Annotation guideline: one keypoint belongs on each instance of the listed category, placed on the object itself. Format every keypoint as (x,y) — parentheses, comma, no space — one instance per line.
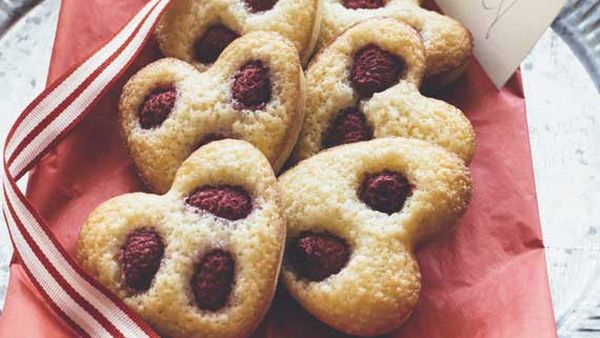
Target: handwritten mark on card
(501,8)
(503,30)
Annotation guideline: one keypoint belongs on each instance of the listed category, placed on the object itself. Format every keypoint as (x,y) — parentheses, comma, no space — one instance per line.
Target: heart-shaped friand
(201,260)
(448,44)
(354,216)
(197,31)
(254,92)
(365,85)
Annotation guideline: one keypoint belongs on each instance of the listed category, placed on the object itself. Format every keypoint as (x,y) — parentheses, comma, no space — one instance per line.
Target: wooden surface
(564,121)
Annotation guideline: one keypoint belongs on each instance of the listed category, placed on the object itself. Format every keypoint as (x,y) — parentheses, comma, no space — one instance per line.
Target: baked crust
(400,110)
(256,243)
(186,20)
(204,106)
(448,44)
(379,287)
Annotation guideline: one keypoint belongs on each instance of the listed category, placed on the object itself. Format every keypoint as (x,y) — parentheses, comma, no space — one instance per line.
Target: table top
(564,124)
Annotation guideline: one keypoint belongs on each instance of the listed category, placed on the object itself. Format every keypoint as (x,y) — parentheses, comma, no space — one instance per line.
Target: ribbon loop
(89,308)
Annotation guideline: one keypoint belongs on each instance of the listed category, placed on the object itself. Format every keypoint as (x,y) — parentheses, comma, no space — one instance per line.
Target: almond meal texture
(188,272)
(375,289)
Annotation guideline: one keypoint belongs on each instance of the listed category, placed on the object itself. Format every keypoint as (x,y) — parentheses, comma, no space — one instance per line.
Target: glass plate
(579,25)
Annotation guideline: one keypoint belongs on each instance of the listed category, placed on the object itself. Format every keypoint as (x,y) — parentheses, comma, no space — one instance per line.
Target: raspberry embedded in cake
(256,6)
(213,280)
(385,192)
(363,4)
(251,86)
(349,126)
(375,70)
(213,42)
(157,106)
(318,256)
(229,202)
(140,258)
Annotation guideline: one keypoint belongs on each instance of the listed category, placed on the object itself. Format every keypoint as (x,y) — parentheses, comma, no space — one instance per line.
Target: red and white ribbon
(87,306)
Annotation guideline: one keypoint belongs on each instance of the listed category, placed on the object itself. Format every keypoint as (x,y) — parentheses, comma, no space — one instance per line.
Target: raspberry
(229,202)
(349,126)
(213,42)
(260,5)
(375,70)
(140,258)
(251,86)
(211,138)
(318,256)
(366,4)
(157,106)
(213,280)
(385,192)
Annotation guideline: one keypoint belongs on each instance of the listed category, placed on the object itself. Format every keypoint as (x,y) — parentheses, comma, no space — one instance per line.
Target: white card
(503,30)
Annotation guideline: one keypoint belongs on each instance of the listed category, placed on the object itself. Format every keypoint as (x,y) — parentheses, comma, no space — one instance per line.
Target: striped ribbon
(88,307)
